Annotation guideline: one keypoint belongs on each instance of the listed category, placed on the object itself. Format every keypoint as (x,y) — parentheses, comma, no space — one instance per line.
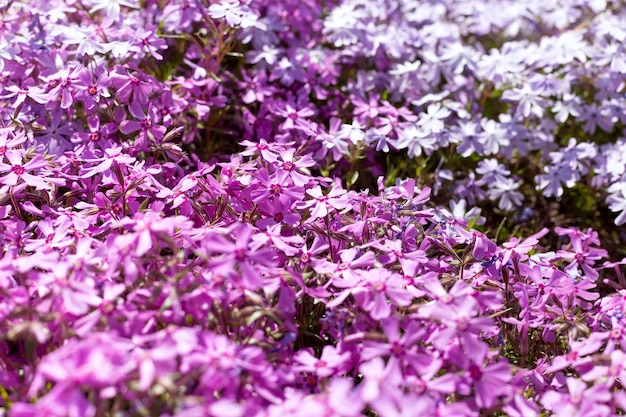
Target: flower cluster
(203,209)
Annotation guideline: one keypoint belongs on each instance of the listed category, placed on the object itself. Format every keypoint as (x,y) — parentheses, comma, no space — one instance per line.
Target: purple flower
(579,400)
(489,382)
(18,171)
(149,42)
(224,255)
(331,362)
(323,203)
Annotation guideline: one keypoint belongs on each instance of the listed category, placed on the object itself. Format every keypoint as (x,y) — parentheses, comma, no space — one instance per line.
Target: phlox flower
(352,259)
(112,7)
(267,151)
(489,382)
(331,362)
(64,399)
(146,125)
(149,41)
(29,173)
(617,201)
(98,361)
(460,322)
(353,132)
(323,203)
(554,176)
(63,88)
(231,11)
(579,353)
(382,142)
(579,400)
(91,91)
(26,90)
(289,245)
(379,380)
(528,101)
(112,155)
(418,141)
(595,116)
(581,254)
(517,249)
(148,228)
(292,114)
(224,255)
(9,139)
(507,194)
(402,347)
(492,171)
(467,135)
(131,86)
(379,284)
(296,167)
(84,38)
(432,120)
(277,187)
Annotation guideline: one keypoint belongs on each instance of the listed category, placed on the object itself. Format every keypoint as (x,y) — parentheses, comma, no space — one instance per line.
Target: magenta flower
(111,155)
(17,171)
(330,363)
(149,227)
(402,347)
(296,167)
(489,382)
(149,42)
(323,203)
(579,353)
(64,399)
(580,400)
(382,283)
(276,187)
(63,86)
(146,125)
(224,255)
(26,90)
(91,91)
(292,114)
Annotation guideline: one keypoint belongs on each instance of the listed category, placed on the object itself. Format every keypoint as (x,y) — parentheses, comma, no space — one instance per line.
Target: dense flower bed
(312,208)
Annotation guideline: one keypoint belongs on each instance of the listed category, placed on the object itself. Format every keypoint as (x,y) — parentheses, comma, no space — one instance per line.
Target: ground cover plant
(305,208)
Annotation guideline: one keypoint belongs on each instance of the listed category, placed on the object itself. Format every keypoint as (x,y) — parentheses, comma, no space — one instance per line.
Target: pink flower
(30,173)
(322,204)
(489,382)
(579,400)
(149,41)
(224,255)
(330,363)
(112,155)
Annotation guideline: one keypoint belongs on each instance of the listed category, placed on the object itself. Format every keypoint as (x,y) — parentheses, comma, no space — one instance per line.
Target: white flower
(112,7)
(617,201)
(506,192)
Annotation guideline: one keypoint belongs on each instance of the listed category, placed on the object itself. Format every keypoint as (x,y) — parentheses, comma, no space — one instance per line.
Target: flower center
(146,123)
(276,190)
(475,372)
